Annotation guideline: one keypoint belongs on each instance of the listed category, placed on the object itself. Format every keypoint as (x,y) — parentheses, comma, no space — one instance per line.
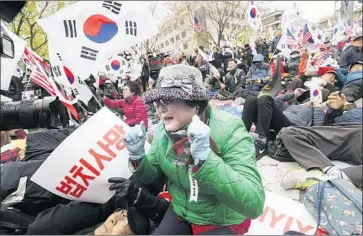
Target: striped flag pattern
(306,36)
(196,24)
(290,40)
(38,77)
(322,58)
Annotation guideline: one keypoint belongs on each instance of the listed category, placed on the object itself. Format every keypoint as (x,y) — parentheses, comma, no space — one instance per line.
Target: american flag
(306,36)
(38,77)
(197,26)
(290,40)
(322,58)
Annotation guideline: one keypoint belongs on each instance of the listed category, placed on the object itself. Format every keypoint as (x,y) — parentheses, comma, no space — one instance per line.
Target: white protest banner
(79,168)
(8,65)
(280,215)
(85,31)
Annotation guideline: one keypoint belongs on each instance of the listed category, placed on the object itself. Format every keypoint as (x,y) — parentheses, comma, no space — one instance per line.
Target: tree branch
(43,10)
(41,45)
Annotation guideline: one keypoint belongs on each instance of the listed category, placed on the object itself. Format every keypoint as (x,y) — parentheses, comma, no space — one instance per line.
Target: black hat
(139,224)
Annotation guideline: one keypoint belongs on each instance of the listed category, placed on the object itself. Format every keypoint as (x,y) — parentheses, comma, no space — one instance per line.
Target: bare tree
(220,16)
(149,45)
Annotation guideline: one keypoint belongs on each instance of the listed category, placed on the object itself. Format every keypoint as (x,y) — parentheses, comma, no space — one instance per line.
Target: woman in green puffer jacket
(206,154)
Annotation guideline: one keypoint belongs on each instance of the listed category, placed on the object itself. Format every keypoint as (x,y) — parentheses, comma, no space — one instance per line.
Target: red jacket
(134,110)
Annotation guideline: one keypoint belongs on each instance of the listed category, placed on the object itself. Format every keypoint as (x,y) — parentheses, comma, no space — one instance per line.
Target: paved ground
(272,172)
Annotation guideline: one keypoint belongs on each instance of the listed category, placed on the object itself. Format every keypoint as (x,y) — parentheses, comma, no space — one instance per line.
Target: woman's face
(174,114)
(116,224)
(126,92)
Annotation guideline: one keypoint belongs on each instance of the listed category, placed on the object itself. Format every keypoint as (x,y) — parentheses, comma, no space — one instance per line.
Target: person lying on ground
(315,148)
(272,114)
(134,108)
(192,141)
(127,212)
(339,112)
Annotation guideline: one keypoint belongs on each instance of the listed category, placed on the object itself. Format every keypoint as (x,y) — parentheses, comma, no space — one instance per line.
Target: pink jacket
(134,110)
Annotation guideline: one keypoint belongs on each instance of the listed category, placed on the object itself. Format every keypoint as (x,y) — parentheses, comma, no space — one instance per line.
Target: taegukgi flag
(87,30)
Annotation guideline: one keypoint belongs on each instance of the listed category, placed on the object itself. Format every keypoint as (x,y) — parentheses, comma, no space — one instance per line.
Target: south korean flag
(86,31)
(116,65)
(63,74)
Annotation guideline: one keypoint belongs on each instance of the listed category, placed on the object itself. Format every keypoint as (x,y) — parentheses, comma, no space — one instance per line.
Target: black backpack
(277,150)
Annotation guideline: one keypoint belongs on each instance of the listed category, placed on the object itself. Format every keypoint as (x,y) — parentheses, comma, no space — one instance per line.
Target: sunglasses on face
(162,102)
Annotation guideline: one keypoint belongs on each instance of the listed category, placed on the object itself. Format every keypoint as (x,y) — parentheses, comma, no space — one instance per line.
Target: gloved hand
(125,190)
(199,135)
(135,141)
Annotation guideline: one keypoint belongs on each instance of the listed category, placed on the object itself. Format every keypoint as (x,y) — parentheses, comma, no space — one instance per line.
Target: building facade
(178,33)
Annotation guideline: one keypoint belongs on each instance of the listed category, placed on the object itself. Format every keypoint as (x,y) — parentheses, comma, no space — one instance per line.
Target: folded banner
(282,214)
(81,165)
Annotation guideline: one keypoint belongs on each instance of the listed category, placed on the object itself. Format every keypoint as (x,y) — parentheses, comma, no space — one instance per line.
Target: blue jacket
(338,117)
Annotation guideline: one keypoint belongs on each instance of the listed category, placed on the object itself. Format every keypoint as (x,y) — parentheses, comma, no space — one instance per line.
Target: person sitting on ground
(235,81)
(258,75)
(203,66)
(192,141)
(133,107)
(353,53)
(247,55)
(292,65)
(353,87)
(109,90)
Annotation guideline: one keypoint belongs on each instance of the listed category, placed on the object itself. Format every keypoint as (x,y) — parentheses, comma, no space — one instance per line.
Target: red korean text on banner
(76,182)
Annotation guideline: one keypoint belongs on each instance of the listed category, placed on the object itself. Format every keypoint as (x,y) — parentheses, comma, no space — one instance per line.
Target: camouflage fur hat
(178,82)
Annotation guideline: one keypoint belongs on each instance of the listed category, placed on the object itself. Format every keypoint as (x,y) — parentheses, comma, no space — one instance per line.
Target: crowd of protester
(192,139)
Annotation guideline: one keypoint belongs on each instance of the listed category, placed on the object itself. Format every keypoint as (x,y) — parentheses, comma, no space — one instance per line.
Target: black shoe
(271,135)
(261,147)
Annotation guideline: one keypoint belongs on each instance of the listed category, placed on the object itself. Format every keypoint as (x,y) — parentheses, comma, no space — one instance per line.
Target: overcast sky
(311,10)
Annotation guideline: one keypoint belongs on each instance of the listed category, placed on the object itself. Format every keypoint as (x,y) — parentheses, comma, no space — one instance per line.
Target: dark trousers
(171,225)
(316,147)
(264,114)
(144,82)
(294,84)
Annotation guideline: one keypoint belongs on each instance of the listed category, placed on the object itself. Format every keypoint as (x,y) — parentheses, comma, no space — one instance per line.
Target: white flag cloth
(87,30)
(253,17)
(8,65)
(208,57)
(63,74)
(115,65)
(318,36)
(290,16)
